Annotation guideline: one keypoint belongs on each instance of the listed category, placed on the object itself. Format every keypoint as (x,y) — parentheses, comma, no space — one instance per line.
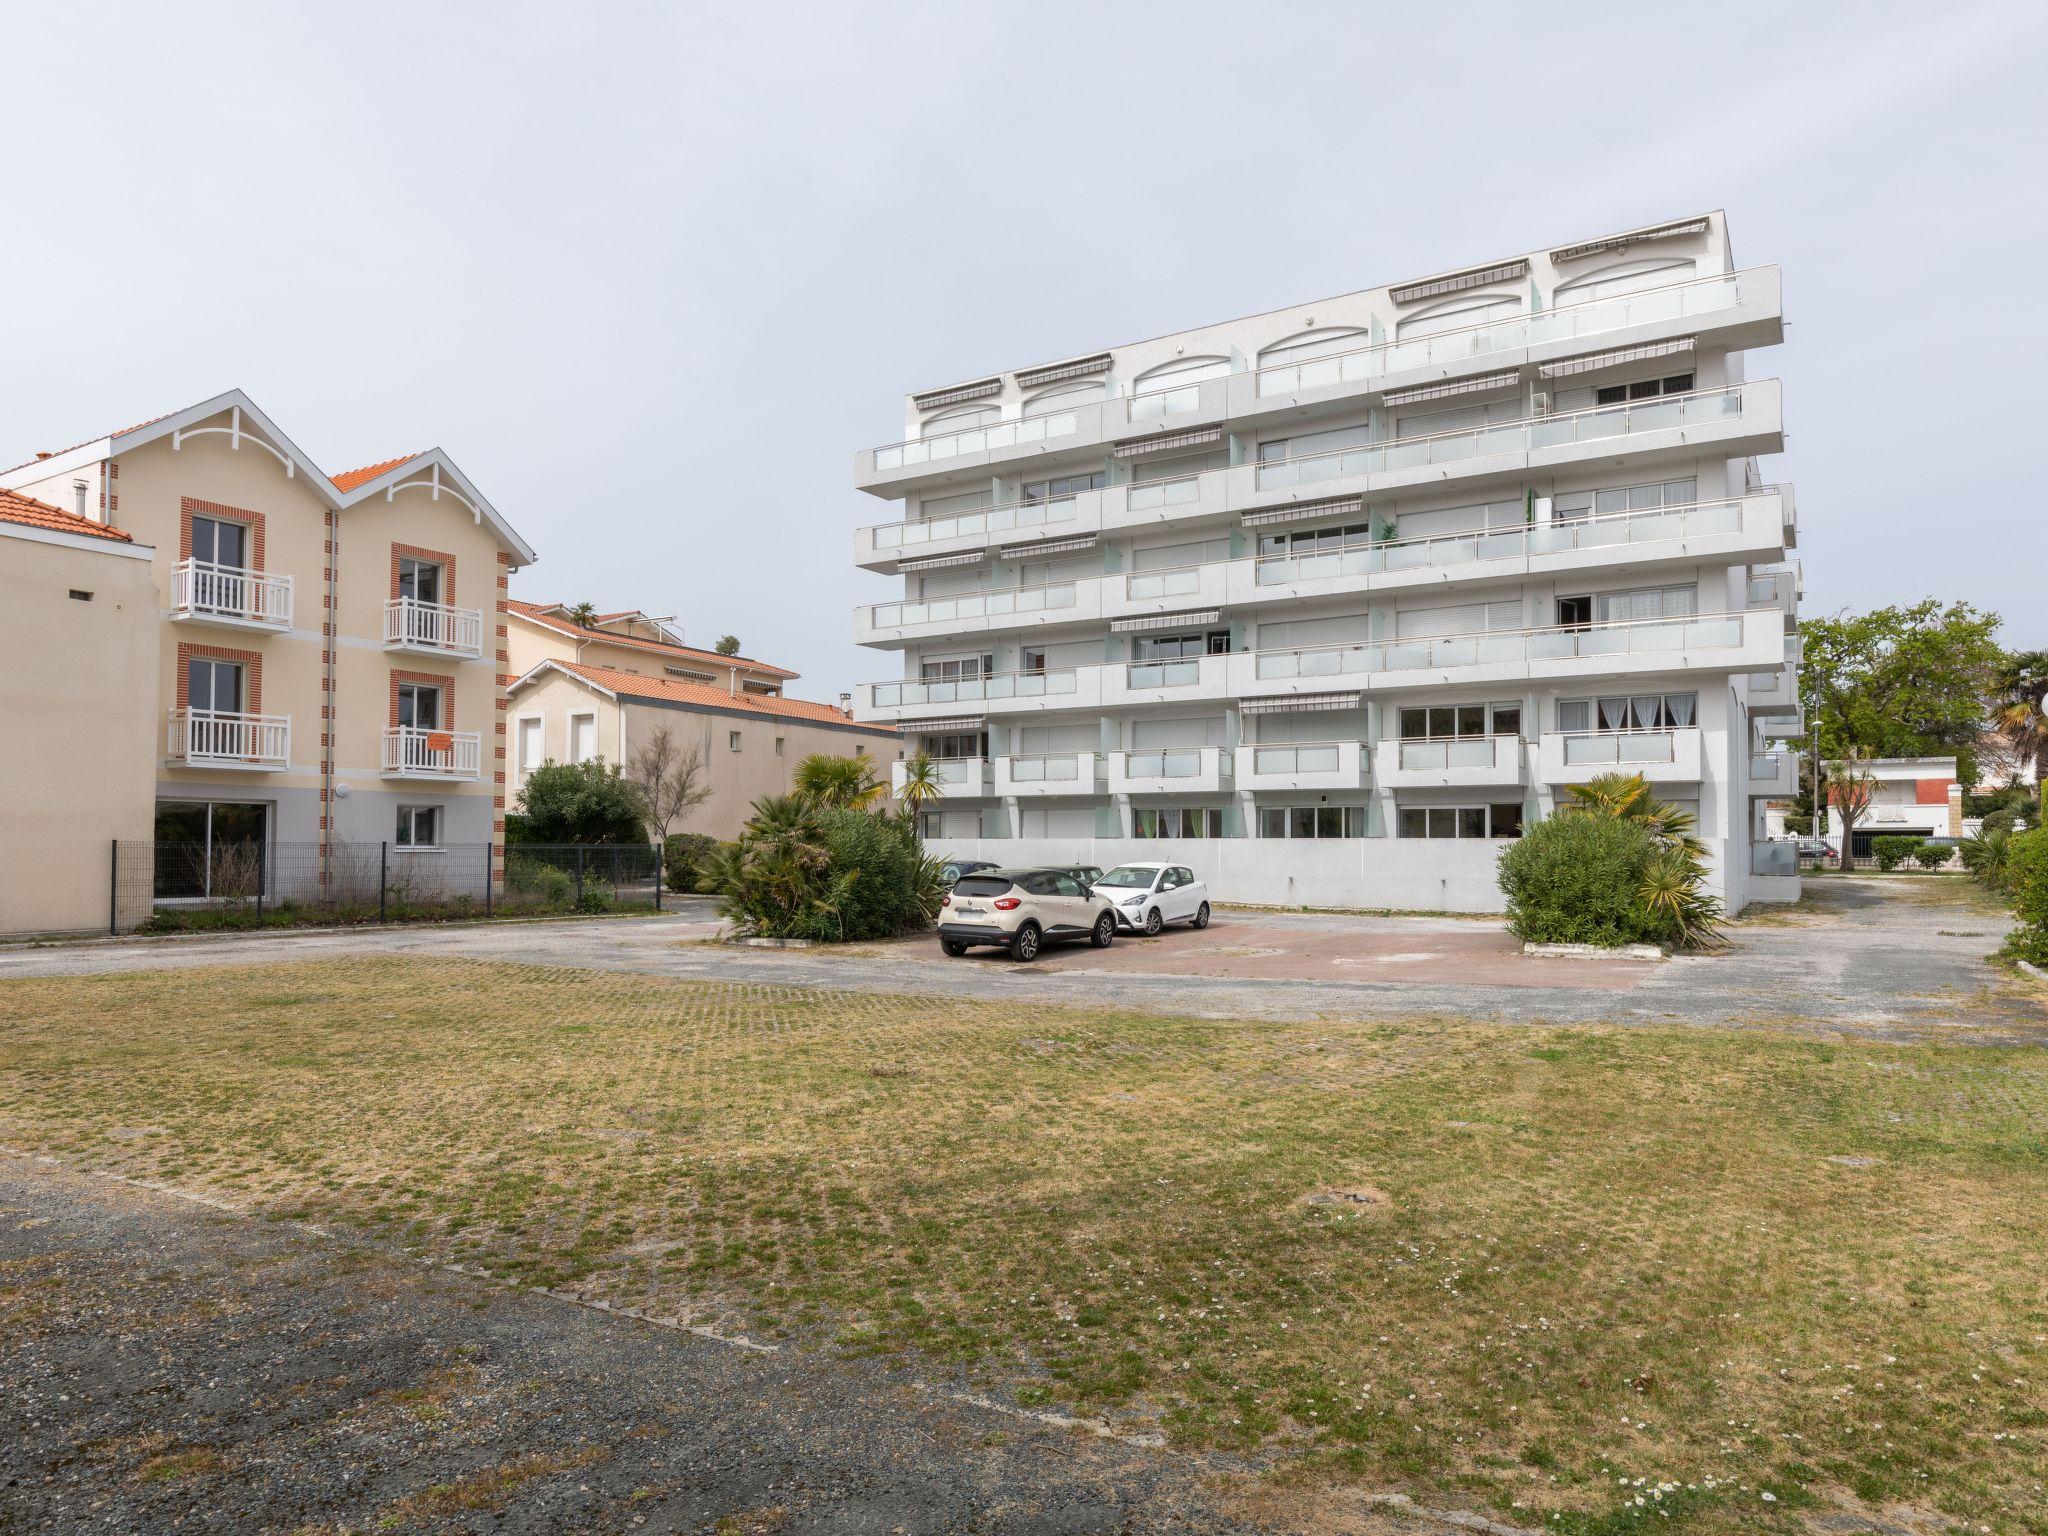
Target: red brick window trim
(439,557)
(189,506)
(441,680)
(252,673)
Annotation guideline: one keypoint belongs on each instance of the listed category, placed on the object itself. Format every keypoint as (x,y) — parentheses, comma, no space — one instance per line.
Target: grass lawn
(1604,1279)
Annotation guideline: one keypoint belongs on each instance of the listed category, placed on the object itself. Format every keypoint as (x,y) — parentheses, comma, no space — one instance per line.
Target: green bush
(1575,878)
(2027,873)
(579,803)
(1893,851)
(543,882)
(683,860)
(1932,855)
(595,898)
(801,870)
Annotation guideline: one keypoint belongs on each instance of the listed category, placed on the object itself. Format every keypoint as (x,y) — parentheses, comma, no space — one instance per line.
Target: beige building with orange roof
(329,652)
(600,690)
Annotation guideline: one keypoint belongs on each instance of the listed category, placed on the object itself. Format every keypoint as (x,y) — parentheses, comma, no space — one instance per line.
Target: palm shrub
(1893,851)
(1578,878)
(802,869)
(1986,857)
(1672,889)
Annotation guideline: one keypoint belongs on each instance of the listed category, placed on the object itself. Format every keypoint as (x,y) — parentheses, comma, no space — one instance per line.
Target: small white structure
(1914,797)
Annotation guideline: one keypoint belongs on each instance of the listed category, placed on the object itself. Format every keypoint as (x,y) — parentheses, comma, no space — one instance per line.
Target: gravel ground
(1891,958)
(168,1366)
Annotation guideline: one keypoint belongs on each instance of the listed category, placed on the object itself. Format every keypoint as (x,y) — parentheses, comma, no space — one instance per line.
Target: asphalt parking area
(1310,948)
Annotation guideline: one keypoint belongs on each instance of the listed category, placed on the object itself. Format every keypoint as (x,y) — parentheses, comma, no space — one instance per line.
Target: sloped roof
(554,617)
(674,690)
(17,508)
(349,479)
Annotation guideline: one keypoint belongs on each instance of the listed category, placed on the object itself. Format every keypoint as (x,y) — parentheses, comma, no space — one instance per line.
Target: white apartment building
(1328,602)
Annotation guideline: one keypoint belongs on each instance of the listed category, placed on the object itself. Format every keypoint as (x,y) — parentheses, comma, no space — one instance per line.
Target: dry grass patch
(1616,1275)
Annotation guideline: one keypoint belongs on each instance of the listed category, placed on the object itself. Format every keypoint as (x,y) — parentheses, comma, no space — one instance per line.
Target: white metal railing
(1643,526)
(1525,435)
(977,439)
(1175,581)
(1599,747)
(1563,643)
(1173,763)
(1175,672)
(1048,768)
(971,690)
(1298,757)
(1676,301)
(219,738)
(418,752)
(1006,518)
(986,604)
(433,626)
(202,588)
(1426,754)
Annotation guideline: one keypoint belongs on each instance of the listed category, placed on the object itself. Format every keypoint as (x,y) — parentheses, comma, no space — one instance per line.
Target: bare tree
(669,779)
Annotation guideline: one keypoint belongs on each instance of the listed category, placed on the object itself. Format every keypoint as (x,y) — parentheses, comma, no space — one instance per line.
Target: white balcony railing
(1180,581)
(978,439)
(229,594)
(1172,769)
(1009,518)
(1297,757)
(1640,637)
(1438,754)
(1774,858)
(974,690)
(414,752)
(991,604)
(955,775)
(1178,672)
(416,626)
(209,738)
(1050,773)
(1528,435)
(1167,763)
(1618,749)
(1678,301)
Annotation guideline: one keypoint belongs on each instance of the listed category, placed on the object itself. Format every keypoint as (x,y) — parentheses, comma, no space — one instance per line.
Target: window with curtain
(1628,712)
(1646,603)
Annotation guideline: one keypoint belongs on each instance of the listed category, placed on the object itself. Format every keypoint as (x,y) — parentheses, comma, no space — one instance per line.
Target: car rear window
(981,885)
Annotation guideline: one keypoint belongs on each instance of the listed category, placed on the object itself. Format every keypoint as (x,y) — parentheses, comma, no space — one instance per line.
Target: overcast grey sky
(653,273)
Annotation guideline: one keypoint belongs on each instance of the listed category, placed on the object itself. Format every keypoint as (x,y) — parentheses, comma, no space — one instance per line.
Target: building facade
(1910,797)
(1333,600)
(330,651)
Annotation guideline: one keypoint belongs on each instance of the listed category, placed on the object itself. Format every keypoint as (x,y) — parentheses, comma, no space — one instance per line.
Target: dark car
(953,869)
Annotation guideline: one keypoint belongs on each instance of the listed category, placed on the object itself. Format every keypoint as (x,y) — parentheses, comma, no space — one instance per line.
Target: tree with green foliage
(580,803)
(584,614)
(804,869)
(728,645)
(1899,682)
(1672,886)
(2019,714)
(848,782)
(921,783)
(1850,789)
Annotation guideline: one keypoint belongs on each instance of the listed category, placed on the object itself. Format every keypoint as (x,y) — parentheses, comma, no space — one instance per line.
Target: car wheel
(953,947)
(1105,931)
(1024,944)
(1202,915)
(1153,923)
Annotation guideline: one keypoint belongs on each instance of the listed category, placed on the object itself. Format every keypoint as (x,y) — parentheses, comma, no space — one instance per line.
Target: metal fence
(170,885)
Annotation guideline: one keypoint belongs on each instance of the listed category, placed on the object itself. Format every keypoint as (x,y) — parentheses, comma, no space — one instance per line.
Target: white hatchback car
(1146,897)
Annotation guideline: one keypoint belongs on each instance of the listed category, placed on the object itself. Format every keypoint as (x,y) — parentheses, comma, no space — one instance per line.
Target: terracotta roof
(673,690)
(349,479)
(543,613)
(16,508)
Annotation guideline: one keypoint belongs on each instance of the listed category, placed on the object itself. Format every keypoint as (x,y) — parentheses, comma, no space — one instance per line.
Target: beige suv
(1023,910)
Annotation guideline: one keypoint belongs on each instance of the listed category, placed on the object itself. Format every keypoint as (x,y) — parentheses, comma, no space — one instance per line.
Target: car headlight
(1134,901)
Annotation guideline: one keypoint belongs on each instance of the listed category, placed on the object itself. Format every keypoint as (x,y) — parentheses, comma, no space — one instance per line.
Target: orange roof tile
(673,690)
(16,508)
(349,479)
(542,613)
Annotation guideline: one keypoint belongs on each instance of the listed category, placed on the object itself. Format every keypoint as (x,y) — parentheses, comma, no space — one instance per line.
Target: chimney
(846,705)
(45,453)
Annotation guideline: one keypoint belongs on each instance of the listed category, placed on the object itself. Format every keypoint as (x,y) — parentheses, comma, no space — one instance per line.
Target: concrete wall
(78,752)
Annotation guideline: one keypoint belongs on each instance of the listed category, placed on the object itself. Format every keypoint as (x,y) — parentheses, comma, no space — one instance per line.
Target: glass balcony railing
(975,605)
(1181,672)
(1172,763)
(1779,858)
(1153,495)
(978,439)
(1639,637)
(1437,754)
(976,690)
(1527,435)
(1297,757)
(1601,748)
(1004,519)
(1180,581)
(1060,768)
(1165,402)
(1679,301)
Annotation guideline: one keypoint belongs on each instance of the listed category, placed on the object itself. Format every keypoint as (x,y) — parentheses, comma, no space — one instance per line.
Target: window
(958,744)
(1628,712)
(210,848)
(956,505)
(959,421)
(1629,277)
(1310,443)
(1424,722)
(213,686)
(1312,541)
(1624,498)
(419,826)
(419,706)
(1031,658)
(530,748)
(1458,418)
(778,745)
(732,741)
(582,738)
(955,668)
(1312,821)
(1215,642)
(215,541)
(1176,821)
(1574,612)
(1457,315)
(1440,821)
(1063,486)
(80,490)
(1642,389)
(1147,471)
(1645,603)
(419,580)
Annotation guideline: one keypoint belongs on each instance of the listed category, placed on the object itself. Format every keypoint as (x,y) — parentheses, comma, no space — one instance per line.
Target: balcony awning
(940,562)
(1048,547)
(1633,237)
(1566,367)
(953,394)
(950,723)
(1052,373)
(1479,386)
(1458,282)
(1299,703)
(1164,621)
(1297,511)
(1194,437)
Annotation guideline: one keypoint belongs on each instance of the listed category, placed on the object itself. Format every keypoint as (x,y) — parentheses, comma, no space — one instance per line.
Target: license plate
(971,911)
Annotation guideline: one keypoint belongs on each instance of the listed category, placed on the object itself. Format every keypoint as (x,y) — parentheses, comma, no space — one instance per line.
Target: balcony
(433,628)
(1183,588)
(1301,765)
(229,596)
(1172,771)
(411,752)
(1777,589)
(1718,641)
(1055,773)
(959,777)
(1661,757)
(968,613)
(995,693)
(987,437)
(1129,683)
(209,738)
(1451,762)
(885,544)
(1773,775)
(1775,693)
